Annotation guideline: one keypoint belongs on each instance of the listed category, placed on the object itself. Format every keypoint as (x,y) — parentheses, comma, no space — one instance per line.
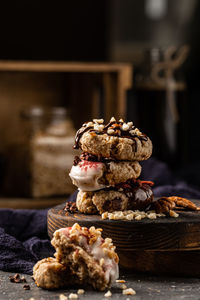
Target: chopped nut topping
(125,127)
(112,119)
(152,216)
(129,217)
(101,127)
(89,124)
(80,292)
(76,226)
(132,132)
(101,262)
(110,131)
(99,121)
(96,127)
(108,294)
(131,214)
(129,291)
(104,215)
(130,124)
(121,120)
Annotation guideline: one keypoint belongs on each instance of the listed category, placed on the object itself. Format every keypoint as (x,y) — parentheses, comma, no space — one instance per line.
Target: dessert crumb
(123,287)
(73,296)
(17,279)
(129,291)
(173,214)
(120,281)
(80,292)
(108,294)
(63,297)
(26,287)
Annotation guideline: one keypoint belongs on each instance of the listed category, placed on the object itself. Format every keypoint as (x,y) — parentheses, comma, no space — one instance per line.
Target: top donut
(116,140)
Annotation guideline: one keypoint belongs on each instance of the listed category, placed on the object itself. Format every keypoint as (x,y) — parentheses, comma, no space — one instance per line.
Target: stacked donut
(107,170)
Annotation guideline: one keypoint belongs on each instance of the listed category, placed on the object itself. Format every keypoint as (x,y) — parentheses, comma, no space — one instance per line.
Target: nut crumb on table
(108,294)
(26,287)
(129,291)
(123,286)
(80,291)
(17,279)
(120,281)
(63,297)
(73,296)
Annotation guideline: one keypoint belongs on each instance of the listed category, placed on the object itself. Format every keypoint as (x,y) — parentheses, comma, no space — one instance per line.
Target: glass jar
(44,153)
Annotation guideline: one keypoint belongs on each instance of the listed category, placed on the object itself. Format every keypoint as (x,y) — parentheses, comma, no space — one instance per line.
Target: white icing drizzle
(86,175)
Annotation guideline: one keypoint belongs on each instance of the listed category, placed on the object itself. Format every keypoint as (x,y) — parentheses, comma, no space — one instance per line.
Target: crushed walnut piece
(167,205)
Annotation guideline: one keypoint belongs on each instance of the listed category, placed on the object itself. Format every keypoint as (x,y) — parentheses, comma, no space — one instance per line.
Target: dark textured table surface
(146,287)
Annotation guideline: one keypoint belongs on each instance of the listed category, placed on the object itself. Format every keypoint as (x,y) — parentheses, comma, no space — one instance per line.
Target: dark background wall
(49,30)
(107,30)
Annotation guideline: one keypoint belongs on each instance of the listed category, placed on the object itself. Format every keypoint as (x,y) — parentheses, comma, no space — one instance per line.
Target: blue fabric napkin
(23,233)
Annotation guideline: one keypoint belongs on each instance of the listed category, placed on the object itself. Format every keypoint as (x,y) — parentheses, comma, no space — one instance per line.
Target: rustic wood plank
(62,66)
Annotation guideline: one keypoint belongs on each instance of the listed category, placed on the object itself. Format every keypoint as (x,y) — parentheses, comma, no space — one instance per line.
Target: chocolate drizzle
(139,193)
(115,126)
(79,134)
(95,158)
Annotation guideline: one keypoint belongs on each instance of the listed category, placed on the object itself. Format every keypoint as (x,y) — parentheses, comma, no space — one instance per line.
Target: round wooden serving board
(161,246)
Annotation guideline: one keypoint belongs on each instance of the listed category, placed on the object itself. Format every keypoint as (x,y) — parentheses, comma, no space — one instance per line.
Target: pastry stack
(107,171)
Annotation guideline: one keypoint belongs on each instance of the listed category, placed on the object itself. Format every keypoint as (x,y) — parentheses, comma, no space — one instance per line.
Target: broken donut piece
(82,257)
(91,258)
